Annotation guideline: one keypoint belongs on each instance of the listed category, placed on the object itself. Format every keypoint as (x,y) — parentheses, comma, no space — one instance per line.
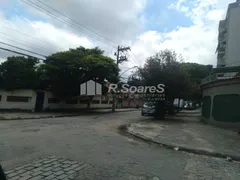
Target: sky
(190,27)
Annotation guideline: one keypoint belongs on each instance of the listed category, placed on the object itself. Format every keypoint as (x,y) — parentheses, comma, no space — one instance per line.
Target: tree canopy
(61,72)
(167,67)
(18,73)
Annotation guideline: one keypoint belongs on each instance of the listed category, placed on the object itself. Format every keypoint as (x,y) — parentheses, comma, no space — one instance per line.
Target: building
(221,97)
(31,100)
(35,101)
(228,51)
(221,90)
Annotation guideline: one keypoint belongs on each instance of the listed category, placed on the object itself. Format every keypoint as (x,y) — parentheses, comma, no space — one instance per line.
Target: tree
(18,72)
(196,73)
(63,72)
(164,67)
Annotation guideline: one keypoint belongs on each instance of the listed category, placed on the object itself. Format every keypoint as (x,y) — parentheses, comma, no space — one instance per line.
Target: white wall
(233,38)
(30,105)
(63,105)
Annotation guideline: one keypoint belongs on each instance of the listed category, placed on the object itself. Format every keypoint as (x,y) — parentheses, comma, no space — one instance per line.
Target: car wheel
(143,114)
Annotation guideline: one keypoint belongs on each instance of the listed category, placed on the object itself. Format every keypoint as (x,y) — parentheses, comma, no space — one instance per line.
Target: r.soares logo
(126,88)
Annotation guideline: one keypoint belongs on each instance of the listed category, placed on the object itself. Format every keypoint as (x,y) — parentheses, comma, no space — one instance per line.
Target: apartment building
(229,37)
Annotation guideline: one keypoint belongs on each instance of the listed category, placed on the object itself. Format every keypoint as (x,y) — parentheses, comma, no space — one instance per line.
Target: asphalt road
(95,140)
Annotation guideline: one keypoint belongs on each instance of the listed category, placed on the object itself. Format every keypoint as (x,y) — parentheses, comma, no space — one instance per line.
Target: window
(84,101)
(110,102)
(206,108)
(105,102)
(72,101)
(226,108)
(18,99)
(95,101)
(53,101)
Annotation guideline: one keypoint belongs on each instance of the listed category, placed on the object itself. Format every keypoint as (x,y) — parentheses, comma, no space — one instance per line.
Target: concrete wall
(30,105)
(233,37)
(224,87)
(130,103)
(79,105)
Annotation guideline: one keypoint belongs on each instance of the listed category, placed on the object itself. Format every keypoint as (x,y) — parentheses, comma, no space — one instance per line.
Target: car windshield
(149,104)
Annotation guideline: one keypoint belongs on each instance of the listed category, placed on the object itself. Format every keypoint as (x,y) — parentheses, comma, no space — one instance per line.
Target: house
(31,100)
(221,97)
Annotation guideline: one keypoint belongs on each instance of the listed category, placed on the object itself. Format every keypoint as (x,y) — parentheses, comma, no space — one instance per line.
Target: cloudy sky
(189,27)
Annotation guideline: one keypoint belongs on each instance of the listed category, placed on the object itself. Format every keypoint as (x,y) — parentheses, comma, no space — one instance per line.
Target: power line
(9,50)
(77,22)
(23,33)
(36,6)
(22,49)
(134,57)
(23,42)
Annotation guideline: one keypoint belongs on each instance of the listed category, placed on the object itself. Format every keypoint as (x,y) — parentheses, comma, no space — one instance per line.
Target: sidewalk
(185,132)
(32,115)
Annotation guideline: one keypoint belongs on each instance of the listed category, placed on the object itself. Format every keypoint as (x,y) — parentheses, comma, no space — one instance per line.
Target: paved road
(93,147)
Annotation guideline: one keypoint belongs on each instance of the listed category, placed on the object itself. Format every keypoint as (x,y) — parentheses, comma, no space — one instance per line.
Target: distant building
(229,37)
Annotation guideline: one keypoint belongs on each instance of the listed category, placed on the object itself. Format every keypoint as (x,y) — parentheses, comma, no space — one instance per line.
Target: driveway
(91,147)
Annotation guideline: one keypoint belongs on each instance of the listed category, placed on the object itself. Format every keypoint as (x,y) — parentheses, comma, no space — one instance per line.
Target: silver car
(149,108)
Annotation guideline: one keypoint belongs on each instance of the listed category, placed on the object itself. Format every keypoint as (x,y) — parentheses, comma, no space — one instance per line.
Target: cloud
(197,43)
(38,37)
(28,28)
(122,22)
(115,20)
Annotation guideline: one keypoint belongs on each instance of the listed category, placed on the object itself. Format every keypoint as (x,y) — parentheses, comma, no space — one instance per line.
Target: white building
(27,99)
(229,37)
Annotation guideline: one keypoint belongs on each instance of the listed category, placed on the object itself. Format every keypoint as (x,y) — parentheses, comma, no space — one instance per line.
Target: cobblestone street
(91,147)
(47,168)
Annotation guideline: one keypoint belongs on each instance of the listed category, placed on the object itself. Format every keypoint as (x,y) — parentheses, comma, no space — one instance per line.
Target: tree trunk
(89,102)
(160,111)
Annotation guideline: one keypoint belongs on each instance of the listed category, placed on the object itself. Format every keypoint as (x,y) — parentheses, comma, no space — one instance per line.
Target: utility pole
(120,59)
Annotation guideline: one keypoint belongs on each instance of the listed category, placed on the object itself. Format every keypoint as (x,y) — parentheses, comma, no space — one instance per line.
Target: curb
(59,116)
(182,148)
(42,117)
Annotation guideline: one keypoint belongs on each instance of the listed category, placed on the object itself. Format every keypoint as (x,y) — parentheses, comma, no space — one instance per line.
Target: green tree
(196,73)
(164,67)
(63,72)
(18,72)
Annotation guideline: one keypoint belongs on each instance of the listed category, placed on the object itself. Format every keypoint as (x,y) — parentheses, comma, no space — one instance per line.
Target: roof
(221,80)
(227,69)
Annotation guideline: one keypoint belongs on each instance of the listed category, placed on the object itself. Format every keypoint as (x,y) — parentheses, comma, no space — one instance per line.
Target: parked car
(149,108)
(190,106)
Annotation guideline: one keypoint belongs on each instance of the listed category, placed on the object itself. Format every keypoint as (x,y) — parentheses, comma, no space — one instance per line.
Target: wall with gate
(221,103)
(26,100)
